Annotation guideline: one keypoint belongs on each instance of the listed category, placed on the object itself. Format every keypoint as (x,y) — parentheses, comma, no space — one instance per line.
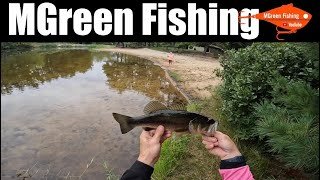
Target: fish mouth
(207,130)
(212,128)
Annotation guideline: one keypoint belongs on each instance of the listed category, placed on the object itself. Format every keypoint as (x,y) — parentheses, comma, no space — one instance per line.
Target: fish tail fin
(124,122)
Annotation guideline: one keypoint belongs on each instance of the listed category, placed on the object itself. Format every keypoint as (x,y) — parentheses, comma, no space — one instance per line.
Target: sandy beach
(195,71)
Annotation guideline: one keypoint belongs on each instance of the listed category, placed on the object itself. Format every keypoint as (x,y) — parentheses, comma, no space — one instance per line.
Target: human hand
(221,145)
(150,145)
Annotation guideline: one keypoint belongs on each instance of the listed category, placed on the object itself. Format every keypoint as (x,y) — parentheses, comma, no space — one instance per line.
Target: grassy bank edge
(175,151)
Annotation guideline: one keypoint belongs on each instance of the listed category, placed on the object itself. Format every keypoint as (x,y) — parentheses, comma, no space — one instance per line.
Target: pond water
(56,111)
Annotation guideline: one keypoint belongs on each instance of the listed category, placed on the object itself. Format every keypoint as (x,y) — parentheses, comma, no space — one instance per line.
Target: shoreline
(196,72)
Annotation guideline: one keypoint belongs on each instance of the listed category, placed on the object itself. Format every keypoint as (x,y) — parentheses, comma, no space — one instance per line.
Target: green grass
(173,151)
(174,76)
(110,175)
(198,164)
(185,157)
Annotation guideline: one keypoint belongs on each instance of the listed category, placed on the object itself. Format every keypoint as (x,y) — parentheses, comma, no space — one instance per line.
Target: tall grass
(110,175)
(172,152)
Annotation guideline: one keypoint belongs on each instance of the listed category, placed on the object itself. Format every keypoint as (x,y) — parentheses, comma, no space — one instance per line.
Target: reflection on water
(56,110)
(32,69)
(127,72)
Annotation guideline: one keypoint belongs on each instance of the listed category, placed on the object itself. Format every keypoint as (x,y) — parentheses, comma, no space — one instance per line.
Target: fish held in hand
(174,118)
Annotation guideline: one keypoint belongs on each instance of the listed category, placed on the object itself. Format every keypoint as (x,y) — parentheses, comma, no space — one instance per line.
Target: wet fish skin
(178,121)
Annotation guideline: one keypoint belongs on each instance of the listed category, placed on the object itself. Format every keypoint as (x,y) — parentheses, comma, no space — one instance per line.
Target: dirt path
(195,72)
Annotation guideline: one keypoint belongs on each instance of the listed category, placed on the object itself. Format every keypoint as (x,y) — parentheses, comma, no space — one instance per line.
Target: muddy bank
(195,72)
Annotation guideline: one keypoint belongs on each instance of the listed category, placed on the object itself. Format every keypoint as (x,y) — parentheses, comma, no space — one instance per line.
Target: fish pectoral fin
(154,106)
(178,107)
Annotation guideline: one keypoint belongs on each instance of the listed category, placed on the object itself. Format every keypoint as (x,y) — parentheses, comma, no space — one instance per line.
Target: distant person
(170,57)
(232,166)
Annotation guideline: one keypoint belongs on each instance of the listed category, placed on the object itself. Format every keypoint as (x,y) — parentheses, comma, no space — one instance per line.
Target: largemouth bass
(174,118)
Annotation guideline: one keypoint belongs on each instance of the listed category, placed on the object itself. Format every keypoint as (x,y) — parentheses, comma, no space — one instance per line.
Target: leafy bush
(247,74)
(290,124)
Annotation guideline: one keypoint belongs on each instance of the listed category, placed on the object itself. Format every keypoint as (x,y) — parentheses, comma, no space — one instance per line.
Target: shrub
(247,74)
(290,124)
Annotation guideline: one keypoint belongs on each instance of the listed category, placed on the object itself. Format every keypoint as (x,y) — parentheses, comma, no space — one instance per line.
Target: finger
(163,138)
(144,134)
(218,134)
(151,132)
(158,134)
(209,146)
(167,135)
(211,139)
(208,137)
(207,142)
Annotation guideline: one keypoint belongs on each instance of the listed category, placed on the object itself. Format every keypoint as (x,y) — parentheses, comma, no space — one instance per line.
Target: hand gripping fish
(174,118)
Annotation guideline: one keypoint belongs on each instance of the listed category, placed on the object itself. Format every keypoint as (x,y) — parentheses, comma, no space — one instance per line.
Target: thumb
(158,134)
(218,134)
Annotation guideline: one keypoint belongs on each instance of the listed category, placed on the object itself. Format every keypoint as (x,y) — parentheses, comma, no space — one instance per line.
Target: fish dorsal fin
(178,107)
(154,106)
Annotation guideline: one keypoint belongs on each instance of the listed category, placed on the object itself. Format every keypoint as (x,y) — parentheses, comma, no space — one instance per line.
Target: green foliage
(5,46)
(194,107)
(290,124)
(236,45)
(183,45)
(172,151)
(298,97)
(247,74)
